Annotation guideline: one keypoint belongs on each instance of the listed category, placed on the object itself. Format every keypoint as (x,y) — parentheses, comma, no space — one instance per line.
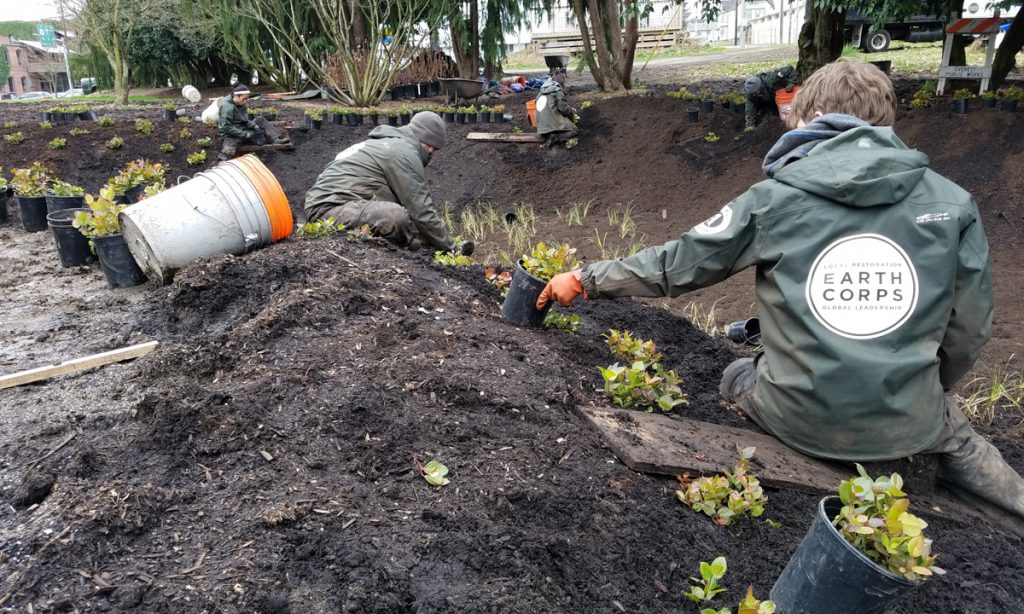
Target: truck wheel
(877,42)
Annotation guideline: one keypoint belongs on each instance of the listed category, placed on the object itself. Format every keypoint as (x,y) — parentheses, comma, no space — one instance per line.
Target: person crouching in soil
(236,128)
(873,285)
(760,90)
(391,159)
(554,115)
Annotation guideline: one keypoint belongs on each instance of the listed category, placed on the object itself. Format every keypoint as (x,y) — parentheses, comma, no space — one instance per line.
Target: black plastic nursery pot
(692,115)
(90,116)
(485,118)
(72,245)
(45,116)
(470,118)
(449,117)
(392,120)
(739,108)
(3,207)
(316,124)
(988,103)
(520,306)
(354,120)
(370,120)
(170,115)
(130,197)
(59,203)
(270,116)
(961,106)
(119,267)
(405,118)
(337,118)
(828,575)
(1009,105)
(707,105)
(460,118)
(33,213)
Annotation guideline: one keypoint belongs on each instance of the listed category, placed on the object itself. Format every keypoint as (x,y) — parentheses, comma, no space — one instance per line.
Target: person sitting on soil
(554,115)
(237,128)
(760,90)
(873,285)
(391,159)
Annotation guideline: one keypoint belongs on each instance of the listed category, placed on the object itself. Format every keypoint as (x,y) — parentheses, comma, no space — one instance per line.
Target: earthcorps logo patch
(542,103)
(351,150)
(716,223)
(862,287)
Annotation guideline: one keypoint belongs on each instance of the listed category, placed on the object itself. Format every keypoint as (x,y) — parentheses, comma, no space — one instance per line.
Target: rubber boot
(979,468)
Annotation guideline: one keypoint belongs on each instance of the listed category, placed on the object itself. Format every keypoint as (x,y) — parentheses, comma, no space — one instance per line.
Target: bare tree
(613,25)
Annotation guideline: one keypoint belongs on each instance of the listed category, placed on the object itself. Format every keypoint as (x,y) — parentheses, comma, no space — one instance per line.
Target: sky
(27,10)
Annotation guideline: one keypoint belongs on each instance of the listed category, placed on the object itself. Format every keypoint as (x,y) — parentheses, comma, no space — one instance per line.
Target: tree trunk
(958,52)
(358,25)
(821,40)
(588,51)
(1013,42)
(474,37)
(632,34)
(598,23)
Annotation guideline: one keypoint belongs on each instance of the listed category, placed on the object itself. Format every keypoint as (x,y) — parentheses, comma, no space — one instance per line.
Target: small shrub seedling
(963,94)
(683,94)
(204,141)
(545,262)
(58,143)
(502,279)
(183,120)
(724,498)
(105,121)
(3,181)
(15,138)
(185,134)
(78,132)
(315,114)
(169,107)
(197,158)
(152,190)
(166,148)
(875,520)
(706,587)
(144,125)
(62,188)
(10,125)
(753,605)
(517,130)
(452,259)
(46,124)
(500,108)
(138,173)
(625,347)
(31,181)
(319,228)
(586,105)
(115,143)
(565,322)
(988,95)
(573,142)
(711,137)
(433,472)
(101,219)
(643,386)
(705,93)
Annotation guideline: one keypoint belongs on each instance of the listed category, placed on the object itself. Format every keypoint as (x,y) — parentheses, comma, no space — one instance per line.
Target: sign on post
(986,25)
(46,37)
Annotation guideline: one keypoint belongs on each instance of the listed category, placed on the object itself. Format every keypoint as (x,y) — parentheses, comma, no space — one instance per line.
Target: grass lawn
(530,60)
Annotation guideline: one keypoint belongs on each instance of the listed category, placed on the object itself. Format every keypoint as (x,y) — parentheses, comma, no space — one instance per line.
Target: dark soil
(263,458)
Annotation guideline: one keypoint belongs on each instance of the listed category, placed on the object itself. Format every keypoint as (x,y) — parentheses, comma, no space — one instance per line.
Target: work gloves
(467,247)
(249,134)
(564,288)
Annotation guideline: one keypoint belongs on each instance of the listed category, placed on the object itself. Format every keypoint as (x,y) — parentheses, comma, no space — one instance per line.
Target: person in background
(873,286)
(760,90)
(236,128)
(392,160)
(554,115)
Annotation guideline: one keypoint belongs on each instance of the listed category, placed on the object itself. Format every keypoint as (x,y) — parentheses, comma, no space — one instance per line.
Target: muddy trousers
(559,137)
(269,134)
(966,459)
(387,220)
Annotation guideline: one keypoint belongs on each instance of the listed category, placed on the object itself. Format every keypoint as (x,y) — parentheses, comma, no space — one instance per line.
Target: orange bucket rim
(271,193)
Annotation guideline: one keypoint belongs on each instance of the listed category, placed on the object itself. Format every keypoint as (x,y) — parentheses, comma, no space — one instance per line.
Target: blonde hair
(846,86)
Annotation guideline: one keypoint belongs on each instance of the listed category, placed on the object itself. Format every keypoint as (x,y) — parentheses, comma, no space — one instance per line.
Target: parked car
(69,93)
(7,96)
(35,95)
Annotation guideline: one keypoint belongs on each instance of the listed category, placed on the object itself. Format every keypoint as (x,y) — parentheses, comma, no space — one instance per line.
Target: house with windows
(33,68)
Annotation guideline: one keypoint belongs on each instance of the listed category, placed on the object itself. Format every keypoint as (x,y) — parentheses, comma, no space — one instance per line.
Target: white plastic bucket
(233,208)
(191,94)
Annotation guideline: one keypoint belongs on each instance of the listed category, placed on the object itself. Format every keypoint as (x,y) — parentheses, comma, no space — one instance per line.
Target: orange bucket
(531,110)
(784,100)
(274,200)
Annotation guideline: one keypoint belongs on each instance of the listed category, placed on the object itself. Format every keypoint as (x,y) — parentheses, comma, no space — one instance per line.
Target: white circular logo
(862,287)
(542,103)
(716,223)
(351,150)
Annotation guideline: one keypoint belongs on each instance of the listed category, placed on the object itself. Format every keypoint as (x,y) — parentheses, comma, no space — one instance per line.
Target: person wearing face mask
(391,160)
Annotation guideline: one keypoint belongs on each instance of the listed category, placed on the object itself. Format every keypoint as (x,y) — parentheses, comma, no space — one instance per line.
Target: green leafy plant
(315,114)
(62,188)
(45,124)
(203,141)
(166,148)
(988,95)
(58,143)
(963,94)
(319,228)
(185,134)
(739,98)
(569,323)
(517,130)
(1013,92)
(78,132)
(705,93)
(753,605)
(31,181)
(115,143)
(138,173)
(105,121)
(452,259)
(183,120)
(875,520)
(170,107)
(3,181)
(711,137)
(197,158)
(724,99)
(644,386)
(501,279)
(433,472)
(500,108)
(144,125)
(683,94)
(624,346)
(152,190)
(15,138)
(724,498)
(706,587)
(544,262)
(10,125)
(101,219)
(586,105)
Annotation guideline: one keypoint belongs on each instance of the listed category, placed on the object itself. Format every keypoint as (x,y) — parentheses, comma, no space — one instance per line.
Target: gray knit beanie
(429,128)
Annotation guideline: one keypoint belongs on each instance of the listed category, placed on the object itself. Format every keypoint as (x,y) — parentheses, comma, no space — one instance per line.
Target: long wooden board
(654,443)
(78,364)
(505,137)
(269,146)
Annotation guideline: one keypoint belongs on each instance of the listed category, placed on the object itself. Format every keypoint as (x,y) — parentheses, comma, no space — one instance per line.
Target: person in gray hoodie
(554,115)
(873,286)
(390,162)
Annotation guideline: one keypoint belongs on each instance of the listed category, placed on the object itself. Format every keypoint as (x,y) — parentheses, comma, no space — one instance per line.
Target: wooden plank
(655,443)
(506,137)
(78,364)
(269,146)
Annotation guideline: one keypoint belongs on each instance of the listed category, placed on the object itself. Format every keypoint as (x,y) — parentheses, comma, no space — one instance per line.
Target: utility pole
(782,29)
(64,26)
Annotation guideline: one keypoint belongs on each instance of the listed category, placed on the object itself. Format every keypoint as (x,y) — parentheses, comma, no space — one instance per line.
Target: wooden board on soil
(505,137)
(269,146)
(654,443)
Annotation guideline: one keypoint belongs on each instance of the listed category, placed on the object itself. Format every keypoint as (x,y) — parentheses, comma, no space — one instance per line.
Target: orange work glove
(563,288)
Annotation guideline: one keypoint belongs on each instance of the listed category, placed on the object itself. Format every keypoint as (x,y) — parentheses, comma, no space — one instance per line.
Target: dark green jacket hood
(406,133)
(863,167)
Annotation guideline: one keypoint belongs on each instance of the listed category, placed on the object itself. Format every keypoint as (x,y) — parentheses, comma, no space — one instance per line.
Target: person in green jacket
(760,90)
(873,286)
(236,128)
(392,160)
(554,115)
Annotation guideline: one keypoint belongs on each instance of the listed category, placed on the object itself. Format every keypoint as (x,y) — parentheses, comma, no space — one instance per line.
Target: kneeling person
(391,159)
(237,129)
(554,115)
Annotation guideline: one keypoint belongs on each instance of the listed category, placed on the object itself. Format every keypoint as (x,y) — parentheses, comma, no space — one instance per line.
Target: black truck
(913,29)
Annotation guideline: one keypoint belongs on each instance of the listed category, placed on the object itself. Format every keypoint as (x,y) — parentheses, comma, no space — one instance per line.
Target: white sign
(862,287)
(965,72)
